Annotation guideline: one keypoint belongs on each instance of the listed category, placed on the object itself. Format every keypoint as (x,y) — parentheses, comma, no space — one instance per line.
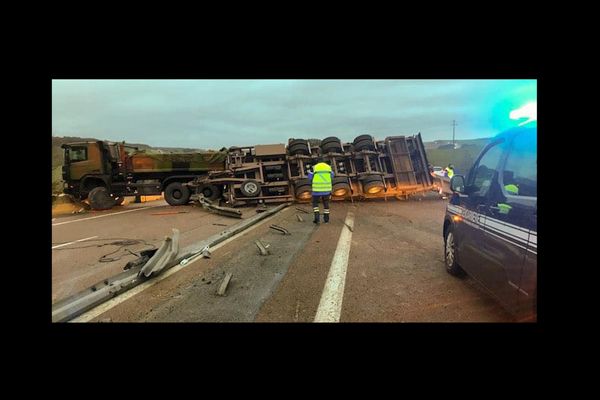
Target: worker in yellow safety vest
(321,178)
(510,189)
(449,170)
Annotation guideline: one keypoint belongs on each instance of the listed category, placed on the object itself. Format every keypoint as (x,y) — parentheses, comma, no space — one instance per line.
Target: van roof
(527,130)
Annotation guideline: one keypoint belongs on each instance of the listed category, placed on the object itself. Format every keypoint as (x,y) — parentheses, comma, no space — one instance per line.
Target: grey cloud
(215,113)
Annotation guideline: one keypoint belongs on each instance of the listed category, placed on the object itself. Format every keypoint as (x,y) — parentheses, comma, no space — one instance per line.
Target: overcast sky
(217,113)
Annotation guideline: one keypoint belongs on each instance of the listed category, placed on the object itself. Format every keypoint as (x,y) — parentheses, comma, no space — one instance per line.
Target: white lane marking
(330,306)
(102,308)
(106,215)
(80,240)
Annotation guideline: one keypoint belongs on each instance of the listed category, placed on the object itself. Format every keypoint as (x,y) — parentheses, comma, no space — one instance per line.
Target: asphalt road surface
(376,261)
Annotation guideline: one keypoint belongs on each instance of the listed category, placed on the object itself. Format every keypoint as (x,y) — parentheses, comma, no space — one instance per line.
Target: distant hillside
(440,153)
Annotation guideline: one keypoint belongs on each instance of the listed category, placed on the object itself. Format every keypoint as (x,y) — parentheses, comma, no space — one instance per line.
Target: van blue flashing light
(528,111)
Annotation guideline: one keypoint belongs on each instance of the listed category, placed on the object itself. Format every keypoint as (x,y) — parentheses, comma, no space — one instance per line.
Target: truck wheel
(452,266)
(302,189)
(298,146)
(372,184)
(100,199)
(177,194)
(250,188)
(340,186)
(331,144)
(211,192)
(366,144)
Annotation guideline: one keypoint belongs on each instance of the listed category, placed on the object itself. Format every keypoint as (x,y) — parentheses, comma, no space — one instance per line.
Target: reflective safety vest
(512,189)
(450,172)
(321,181)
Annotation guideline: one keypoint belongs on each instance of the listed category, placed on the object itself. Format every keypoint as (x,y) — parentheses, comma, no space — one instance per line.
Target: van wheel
(177,194)
(452,266)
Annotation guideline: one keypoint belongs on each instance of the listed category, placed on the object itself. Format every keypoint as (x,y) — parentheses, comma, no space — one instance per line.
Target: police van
(490,225)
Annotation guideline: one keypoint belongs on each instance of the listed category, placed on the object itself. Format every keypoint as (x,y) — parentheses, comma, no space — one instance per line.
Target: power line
(453,126)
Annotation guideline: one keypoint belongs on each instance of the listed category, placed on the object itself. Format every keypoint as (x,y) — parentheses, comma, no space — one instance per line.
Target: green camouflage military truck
(104,172)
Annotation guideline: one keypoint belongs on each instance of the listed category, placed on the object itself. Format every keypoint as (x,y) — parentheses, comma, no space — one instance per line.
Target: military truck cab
(88,165)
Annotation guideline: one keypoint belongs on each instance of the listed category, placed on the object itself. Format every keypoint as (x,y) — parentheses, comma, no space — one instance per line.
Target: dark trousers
(315,204)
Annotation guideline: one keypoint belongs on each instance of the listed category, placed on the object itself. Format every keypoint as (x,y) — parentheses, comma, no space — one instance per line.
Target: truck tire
(332,148)
(450,260)
(298,146)
(211,192)
(331,145)
(250,188)
(276,190)
(361,138)
(177,194)
(372,184)
(100,199)
(303,189)
(366,144)
(340,186)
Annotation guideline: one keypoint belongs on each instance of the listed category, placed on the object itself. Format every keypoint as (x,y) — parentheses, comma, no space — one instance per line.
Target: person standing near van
(450,171)
(321,178)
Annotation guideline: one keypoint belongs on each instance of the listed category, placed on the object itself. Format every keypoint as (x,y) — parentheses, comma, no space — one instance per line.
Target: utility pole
(453,126)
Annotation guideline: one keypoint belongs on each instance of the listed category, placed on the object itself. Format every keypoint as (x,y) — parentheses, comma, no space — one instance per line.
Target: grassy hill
(440,154)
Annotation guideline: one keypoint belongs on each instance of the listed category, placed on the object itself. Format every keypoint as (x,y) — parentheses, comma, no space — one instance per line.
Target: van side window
(485,170)
(77,154)
(520,171)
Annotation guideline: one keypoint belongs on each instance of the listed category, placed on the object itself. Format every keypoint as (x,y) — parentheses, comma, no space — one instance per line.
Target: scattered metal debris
(262,248)
(79,211)
(165,254)
(207,205)
(280,229)
(170,213)
(221,224)
(77,304)
(302,209)
(204,253)
(140,261)
(349,227)
(299,218)
(223,287)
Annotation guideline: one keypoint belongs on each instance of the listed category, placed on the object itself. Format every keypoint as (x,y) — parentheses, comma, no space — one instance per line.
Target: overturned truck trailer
(366,168)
